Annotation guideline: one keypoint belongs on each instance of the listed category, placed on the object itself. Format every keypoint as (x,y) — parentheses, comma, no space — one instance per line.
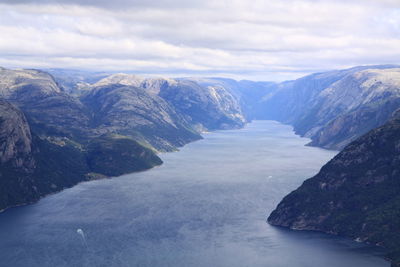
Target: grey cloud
(114,4)
(264,40)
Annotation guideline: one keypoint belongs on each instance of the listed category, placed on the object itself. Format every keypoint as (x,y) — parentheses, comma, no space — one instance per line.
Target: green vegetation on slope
(356,194)
(116,155)
(63,164)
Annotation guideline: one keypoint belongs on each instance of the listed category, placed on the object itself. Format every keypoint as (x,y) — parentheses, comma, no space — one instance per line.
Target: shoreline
(112,177)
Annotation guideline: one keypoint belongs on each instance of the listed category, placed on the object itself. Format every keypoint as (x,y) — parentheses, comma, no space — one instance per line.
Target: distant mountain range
(334,108)
(60,127)
(331,108)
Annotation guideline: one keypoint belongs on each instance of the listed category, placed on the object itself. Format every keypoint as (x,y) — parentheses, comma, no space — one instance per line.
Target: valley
(63,127)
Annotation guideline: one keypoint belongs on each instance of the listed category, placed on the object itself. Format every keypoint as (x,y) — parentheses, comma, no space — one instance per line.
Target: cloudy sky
(260,40)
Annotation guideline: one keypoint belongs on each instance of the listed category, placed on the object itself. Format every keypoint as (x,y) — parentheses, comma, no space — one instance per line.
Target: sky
(241,39)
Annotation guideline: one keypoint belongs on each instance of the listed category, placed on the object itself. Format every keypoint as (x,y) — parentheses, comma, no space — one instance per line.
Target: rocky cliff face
(16,156)
(15,138)
(356,194)
(336,107)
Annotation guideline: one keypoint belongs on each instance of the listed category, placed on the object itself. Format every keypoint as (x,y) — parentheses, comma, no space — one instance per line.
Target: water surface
(205,206)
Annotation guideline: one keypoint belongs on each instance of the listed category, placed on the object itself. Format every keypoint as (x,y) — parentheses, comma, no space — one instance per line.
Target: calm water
(206,206)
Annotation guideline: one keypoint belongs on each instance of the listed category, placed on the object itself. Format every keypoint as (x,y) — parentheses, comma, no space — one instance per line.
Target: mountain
(31,167)
(356,194)
(48,140)
(334,108)
(49,110)
(132,111)
(204,107)
(247,93)
(208,107)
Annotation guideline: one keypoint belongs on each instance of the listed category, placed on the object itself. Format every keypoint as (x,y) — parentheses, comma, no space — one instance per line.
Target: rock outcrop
(15,138)
(17,163)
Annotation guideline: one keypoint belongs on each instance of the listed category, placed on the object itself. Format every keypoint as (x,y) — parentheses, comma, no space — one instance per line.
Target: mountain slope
(49,110)
(356,194)
(336,107)
(248,94)
(208,107)
(132,111)
(205,107)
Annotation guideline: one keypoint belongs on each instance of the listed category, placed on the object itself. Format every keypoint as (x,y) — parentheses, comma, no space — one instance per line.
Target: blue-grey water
(205,206)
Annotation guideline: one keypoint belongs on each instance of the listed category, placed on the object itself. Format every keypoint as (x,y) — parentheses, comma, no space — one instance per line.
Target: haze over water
(205,206)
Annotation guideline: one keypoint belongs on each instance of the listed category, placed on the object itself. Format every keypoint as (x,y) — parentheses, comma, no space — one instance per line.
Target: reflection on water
(205,206)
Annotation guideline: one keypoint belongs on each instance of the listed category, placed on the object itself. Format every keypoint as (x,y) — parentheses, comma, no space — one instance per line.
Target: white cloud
(264,40)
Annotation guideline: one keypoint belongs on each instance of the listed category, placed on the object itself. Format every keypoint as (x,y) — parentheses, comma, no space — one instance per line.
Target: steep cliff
(15,138)
(16,160)
(356,194)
